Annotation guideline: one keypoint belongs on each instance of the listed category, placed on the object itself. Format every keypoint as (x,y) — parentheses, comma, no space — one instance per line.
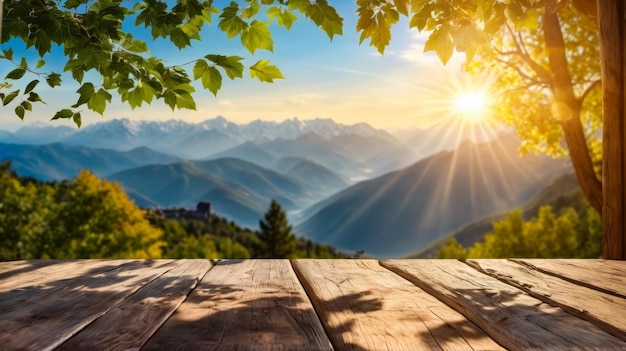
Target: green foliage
(95,37)
(277,240)
(93,218)
(574,233)
(83,218)
(219,238)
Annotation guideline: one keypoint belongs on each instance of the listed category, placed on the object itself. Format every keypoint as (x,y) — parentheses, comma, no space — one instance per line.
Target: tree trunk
(613,56)
(570,106)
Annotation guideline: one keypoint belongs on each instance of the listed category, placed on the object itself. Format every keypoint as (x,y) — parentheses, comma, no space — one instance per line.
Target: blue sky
(342,80)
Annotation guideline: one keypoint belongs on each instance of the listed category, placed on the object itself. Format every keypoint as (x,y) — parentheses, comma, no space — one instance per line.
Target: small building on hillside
(202,212)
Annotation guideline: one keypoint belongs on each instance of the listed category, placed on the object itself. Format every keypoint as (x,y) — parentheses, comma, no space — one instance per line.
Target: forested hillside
(88,217)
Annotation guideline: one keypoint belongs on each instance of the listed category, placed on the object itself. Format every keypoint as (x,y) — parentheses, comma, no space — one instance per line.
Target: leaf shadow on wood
(28,266)
(516,324)
(348,306)
(37,315)
(265,317)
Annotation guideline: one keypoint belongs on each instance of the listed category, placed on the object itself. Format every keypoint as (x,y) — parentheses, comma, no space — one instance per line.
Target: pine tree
(277,240)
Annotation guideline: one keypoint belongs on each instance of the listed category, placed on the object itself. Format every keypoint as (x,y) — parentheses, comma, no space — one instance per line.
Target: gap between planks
(513,318)
(364,306)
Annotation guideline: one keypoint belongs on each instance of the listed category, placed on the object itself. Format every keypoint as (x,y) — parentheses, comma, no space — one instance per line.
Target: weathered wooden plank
(8,266)
(19,274)
(366,307)
(244,305)
(30,285)
(128,325)
(601,275)
(510,316)
(47,320)
(595,306)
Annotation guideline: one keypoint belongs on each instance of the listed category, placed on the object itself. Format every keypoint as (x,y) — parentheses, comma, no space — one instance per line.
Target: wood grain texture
(128,325)
(33,282)
(510,316)
(244,305)
(602,275)
(613,61)
(592,305)
(12,267)
(45,321)
(366,307)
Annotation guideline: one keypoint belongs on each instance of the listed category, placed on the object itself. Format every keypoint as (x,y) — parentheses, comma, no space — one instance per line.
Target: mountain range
(237,189)
(356,151)
(354,187)
(392,215)
(60,161)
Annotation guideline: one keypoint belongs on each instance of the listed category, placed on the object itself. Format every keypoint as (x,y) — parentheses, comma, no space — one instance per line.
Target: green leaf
(135,97)
(251,10)
(230,22)
(16,73)
(53,79)
(133,45)
(86,91)
(185,100)
(257,36)
(19,111)
(43,42)
(170,99)
(31,86)
(98,101)
(265,72)
(8,54)
(179,38)
(12,95)
(27,105)
(34,97)
(199,68)
(72,4)
(230,64)
(283,17)
(212,80)
(64,113)
(40,63)
(440,42)
(23,63)
(77,119)
(325,17)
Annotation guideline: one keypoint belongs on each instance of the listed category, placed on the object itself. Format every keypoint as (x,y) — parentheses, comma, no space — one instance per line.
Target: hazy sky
(342,80)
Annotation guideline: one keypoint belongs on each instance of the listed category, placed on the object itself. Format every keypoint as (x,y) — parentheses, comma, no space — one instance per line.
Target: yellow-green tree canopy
(571,233)
(83,218)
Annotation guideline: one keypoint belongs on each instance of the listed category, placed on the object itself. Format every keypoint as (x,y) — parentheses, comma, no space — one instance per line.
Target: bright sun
(471,105)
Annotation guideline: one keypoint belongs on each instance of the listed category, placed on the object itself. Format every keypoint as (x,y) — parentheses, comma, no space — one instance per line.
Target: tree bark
(588,8)
(613,57)
(568,104)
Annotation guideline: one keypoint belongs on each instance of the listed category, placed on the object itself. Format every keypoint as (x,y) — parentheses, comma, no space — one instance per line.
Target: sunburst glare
(471,105)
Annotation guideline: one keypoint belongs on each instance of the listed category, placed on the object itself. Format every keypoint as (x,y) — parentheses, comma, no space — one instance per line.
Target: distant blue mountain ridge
(354,187)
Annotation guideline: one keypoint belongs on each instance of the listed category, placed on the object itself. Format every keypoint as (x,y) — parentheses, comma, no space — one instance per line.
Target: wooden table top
(312,305)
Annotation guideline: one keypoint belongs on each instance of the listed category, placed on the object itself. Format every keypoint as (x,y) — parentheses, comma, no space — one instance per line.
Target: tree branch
(589,89)
(541,72)
(588,8)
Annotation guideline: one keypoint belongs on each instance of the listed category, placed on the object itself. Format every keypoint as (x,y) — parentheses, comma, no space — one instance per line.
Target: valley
(351,186)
